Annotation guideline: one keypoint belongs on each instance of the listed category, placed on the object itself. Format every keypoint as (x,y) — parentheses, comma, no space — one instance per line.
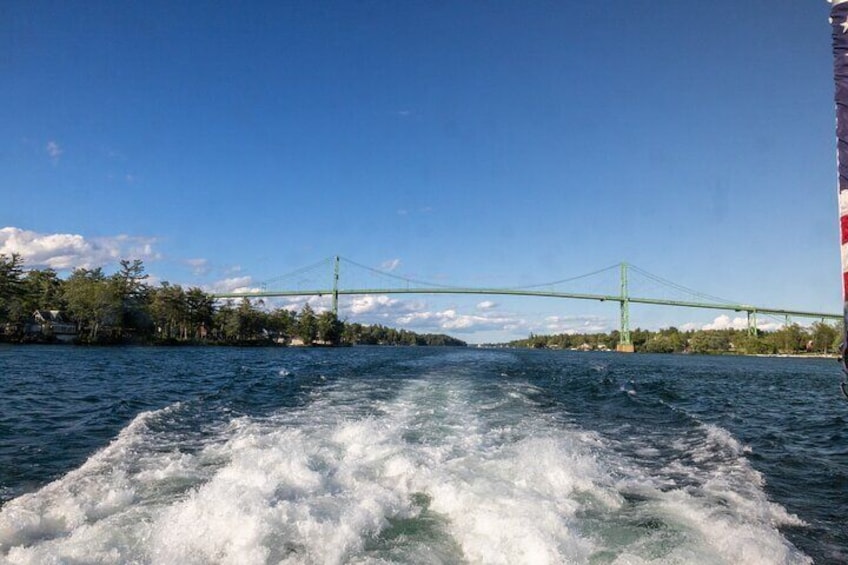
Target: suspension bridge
(623,296)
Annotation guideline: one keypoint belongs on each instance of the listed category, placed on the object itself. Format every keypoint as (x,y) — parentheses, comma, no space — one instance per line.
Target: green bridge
(623,298)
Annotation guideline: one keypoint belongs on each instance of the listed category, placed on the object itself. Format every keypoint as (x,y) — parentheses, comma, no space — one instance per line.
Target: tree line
(123,307)
(790,339)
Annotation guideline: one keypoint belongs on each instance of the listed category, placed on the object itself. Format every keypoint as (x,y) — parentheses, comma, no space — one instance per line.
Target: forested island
(91,307)
(821,338)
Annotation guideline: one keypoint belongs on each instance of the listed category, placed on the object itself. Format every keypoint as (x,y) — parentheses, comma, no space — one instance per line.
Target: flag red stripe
(843,221)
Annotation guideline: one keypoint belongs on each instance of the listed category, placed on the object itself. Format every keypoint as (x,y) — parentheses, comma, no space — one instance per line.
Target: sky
(485,144)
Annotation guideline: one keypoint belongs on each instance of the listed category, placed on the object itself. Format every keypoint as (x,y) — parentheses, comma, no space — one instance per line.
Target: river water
(418,455)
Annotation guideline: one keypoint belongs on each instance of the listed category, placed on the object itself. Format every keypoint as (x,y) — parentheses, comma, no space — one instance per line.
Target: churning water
(415,455)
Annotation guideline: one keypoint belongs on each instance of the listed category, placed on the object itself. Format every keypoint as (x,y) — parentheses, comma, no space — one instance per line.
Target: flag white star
(845,26)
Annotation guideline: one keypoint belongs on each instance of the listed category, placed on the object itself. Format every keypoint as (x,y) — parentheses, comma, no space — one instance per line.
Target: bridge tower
(625,344)
(336,288)
(752,323)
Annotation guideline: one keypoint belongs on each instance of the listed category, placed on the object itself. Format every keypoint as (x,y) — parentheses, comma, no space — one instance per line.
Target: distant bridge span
(624,300)
(539,293)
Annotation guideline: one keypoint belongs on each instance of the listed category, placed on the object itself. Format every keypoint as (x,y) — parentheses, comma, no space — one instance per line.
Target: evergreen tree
(330,329)
(12,291)
(94,302)
(307,325)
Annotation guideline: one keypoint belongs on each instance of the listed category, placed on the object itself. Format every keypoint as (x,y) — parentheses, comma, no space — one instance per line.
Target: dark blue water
(218,455)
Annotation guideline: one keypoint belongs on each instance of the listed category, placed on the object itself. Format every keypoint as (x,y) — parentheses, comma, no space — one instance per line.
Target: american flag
(839,26)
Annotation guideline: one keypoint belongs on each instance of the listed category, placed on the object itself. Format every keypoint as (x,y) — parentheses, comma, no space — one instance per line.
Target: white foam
(712,500)
(92,492)
(441,468)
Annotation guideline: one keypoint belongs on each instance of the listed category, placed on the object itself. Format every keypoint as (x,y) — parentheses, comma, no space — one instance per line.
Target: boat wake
(448,469)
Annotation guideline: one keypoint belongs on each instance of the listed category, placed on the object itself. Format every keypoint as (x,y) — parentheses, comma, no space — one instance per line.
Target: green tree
(705,341)
(612,339)
(538,341)
(169,310)
(836,345)
(248,321)
(639,337)
(12,291)
(659,344)
(131,286)
(200,311)
(330,329)
(93,301)
(225,322)
(352,333)
(823,337)
(307,325)
(675,337)
(283,323)
(43,290)
(790,339)
(754,344)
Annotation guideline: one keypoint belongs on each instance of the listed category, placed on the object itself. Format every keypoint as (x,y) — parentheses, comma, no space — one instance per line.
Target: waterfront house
(51,323)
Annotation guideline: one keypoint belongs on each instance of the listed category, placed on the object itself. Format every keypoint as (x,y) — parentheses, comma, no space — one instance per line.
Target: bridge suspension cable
(563,281)
(437,285)
(680,287)
(300,271)
(393,276)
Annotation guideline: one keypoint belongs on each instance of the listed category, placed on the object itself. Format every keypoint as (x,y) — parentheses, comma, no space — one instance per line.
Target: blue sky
(468,143)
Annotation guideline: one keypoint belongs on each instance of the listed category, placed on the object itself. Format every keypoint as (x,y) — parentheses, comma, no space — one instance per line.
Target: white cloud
(54,150)
(198,266)
(62,251)
(486,305)
(390,265)
(234,284)
(377,308)
(318,304)
(423,210)
(576,324)
(724,322)
(370,304)
(451,320)
(417,315)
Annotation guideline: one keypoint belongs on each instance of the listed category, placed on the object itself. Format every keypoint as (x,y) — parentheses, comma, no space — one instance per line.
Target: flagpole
(839,27)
